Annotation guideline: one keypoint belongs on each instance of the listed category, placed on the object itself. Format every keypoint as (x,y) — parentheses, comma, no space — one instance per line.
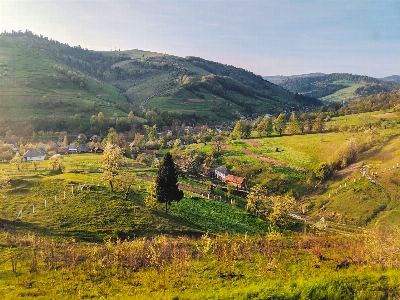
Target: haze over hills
(279,78)
(45,79)
(338,86)
(395,78)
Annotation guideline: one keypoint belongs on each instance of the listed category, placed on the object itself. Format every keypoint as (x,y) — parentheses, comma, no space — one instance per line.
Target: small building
(221,172)
(83,149)
(72,149)
(62,150)
(238,182)
(35,154)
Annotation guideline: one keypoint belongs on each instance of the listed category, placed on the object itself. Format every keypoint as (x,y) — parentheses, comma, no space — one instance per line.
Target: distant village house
(34,154)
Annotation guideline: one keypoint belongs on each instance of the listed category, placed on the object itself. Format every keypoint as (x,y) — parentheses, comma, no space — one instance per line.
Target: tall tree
(282,206)
(17,160)
(151,132)
(112,136)
(167,182)
(295,126)
(56,163)
(242,129)
(257,201)
(265,127)
(131,117)
(280,124)
(4,184)
(65,141)
(111,164)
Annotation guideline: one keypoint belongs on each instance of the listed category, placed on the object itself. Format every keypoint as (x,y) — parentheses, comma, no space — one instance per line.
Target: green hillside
(338,86)
(42,77)
(40,90)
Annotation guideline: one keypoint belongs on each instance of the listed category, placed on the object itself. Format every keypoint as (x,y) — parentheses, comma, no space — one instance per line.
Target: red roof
(62,150)
(236,180)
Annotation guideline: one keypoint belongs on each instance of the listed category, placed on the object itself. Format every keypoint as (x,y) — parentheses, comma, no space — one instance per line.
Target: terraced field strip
(270,160)
(187,188)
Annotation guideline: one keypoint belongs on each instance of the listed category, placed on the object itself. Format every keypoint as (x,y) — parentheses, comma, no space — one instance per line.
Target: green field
(346,94)
(32,88)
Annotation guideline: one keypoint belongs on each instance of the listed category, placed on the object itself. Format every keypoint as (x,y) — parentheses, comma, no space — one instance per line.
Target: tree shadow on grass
(183,228)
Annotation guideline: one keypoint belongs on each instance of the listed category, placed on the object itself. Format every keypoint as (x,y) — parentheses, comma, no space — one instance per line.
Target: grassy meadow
(345,94)
(31,86)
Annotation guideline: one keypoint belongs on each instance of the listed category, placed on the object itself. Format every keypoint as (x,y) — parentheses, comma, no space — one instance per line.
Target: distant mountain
(279,78)
(54,80)
(395,78)
(338,86)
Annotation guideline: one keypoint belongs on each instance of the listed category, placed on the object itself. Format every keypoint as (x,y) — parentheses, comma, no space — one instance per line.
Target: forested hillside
(326,85)
(136,81)
(395,78)
(374,102)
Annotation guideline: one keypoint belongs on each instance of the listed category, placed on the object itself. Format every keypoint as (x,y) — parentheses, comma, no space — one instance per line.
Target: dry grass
(385,116)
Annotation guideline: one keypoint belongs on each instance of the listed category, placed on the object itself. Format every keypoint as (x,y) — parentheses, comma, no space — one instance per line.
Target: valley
(278,194)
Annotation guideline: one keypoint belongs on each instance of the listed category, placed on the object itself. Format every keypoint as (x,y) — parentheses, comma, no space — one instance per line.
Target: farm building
(62,150)
(34,154)
(238,182)
(221,172)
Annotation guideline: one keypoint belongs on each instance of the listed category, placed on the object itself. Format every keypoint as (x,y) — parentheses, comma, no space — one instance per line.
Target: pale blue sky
(280,37)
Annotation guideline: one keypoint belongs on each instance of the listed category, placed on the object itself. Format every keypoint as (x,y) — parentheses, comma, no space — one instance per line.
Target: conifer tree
(167,182)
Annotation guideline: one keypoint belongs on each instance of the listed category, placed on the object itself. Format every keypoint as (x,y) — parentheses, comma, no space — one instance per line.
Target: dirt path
(349,169)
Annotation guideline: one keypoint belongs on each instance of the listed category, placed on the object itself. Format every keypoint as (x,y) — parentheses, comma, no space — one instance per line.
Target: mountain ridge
(152,81)
(338,86)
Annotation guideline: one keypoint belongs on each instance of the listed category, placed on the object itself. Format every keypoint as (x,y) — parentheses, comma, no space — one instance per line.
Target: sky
(267,37)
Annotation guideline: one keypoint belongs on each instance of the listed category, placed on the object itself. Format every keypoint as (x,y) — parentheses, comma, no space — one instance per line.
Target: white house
(35,154)
(221,172)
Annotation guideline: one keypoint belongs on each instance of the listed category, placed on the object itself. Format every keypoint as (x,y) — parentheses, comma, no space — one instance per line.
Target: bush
(323,171)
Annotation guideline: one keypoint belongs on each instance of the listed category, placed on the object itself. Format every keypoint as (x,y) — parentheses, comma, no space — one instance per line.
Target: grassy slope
(360,202)
(31,87)
(345,94)
(97,214)
(159,77)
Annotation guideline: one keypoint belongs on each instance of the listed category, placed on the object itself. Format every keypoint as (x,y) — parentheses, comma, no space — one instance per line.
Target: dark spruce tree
(167,182)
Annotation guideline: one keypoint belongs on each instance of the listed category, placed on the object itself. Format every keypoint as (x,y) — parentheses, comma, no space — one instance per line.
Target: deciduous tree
(282,206)
(280,124)
(264,127)
(17,160)
(56,163)
(257,201)
(4,184)
(111,164)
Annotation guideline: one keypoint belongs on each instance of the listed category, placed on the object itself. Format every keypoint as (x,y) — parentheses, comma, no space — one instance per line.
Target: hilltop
(279,78)
(45,81)
(338,86)
(395,78)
